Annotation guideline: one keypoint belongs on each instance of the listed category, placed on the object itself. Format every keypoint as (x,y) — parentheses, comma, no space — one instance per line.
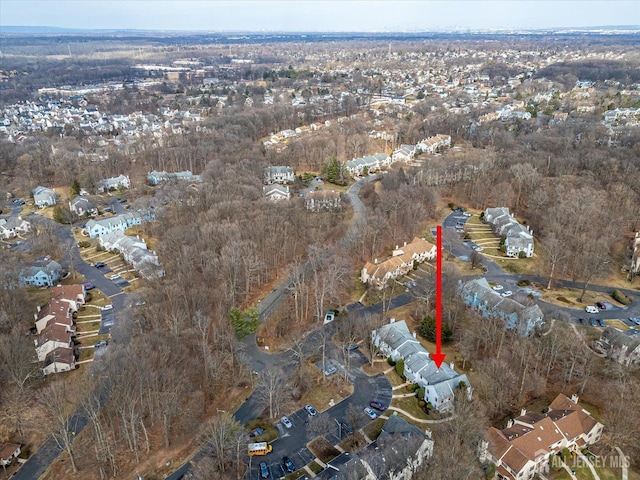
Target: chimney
(510,423)
(523,412)
(375,261)
(574,398)
(392,320)
(414,334)
(452,365)
(405,244)
(397,246)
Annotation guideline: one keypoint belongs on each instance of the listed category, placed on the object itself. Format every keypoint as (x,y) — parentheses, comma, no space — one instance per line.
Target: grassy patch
(315,467)
(378,367)
(619,324)
(372,431)
(300,473)
(409,405)
(353,443)
(269,434)
(393,377)
(322,449)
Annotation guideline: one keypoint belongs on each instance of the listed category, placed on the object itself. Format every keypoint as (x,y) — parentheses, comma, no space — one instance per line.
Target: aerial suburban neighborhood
(347,256)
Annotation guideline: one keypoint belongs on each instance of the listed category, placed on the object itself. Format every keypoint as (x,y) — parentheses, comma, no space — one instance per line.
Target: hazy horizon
(318,15)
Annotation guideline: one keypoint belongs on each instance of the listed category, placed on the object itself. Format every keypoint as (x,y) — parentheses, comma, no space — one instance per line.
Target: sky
(318,15)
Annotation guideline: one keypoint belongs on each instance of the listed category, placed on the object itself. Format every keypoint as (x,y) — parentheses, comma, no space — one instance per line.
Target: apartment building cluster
(55,329)
(518,238)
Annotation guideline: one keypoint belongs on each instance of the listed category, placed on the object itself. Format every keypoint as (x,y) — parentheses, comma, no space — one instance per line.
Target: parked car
(288,465)
(115,276)
(351,346)
(591,309)
(581,321)
(100,264)
(467,214)
(601,306)
(497,288)
(108,307)
(286,422)
(264,470)
(601,322)
(478,248)
(346,428)
(377,406)
(310,410)
(635,320)
(593,322)
(88,286)
(508,293)
(371,414)
(330,371)
(101,343)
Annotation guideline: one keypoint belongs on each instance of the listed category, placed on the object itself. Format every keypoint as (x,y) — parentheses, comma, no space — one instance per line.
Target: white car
(467,214)
(330,371)
(497,288)
(115,276)
(286,422)
(478,248)
(591,309)
(370,413)
(508,293)
(107,307)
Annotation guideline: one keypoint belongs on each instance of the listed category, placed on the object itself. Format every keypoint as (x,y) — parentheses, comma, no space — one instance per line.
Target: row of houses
(55,329)
(620,346)
(315,201)
(97,228)
(134,251)
(440,384)
(532,441)
(279,174)
(154,177)
(368,164)
(479,295)
(402,260)
(635,256)
(518,238)
(114,183)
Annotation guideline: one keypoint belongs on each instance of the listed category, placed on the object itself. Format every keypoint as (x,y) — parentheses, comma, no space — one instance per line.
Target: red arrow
(438,357)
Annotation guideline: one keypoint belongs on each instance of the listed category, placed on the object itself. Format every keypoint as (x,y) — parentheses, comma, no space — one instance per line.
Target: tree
(271,391)
(335,172)
(321,425)
(221,435)
(75,188)
(59,418)
(428,330)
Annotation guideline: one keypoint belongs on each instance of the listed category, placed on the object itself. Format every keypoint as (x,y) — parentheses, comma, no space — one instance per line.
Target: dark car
(593,322)
(100,265)
(581,320)
(601,306)
(88,286)
(378,406)
(288,465)
(351,347)
(601,322)
(346,428)
(264,470)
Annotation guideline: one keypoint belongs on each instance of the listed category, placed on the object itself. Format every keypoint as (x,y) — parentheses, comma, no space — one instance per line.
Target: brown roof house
(401,262)
(51,337)
(57,312)
(61,359)
(529,442)
(8,452)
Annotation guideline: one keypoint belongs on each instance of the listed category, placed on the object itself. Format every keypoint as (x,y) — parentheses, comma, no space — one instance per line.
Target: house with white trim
(518,238)
(11,227)
(396,341)
(44,197)
(276,192)
(279,174)
(113,183)
(41,274)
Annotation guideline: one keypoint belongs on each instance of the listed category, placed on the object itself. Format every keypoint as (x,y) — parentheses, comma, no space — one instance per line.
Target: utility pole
(339,428)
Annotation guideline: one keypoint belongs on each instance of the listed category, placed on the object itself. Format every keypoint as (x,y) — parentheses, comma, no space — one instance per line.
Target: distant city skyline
(319,15)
